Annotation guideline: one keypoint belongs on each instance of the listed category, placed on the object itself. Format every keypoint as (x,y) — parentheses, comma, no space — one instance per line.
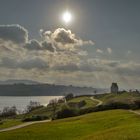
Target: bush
(118,105)
(1,122)
(66,112)
(77,104)
(35,118)
(81,103)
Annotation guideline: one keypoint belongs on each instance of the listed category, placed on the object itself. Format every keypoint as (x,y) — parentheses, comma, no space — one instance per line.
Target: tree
(33,105)
(9,111)
(69,97)
(53,104)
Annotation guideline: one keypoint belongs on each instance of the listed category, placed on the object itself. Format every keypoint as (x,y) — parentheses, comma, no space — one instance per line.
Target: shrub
(66,112)
(77,104)
(81,103)
(35,118)
(137,104)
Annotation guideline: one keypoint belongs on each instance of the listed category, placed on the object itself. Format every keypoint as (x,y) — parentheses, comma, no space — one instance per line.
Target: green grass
(106,125)
(9,123)
(89,102)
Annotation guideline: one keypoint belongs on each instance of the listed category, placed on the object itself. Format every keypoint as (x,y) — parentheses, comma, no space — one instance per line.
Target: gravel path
(23,125)
(99,101)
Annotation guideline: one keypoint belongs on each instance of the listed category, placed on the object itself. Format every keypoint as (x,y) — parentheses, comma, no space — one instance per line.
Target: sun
(67,17)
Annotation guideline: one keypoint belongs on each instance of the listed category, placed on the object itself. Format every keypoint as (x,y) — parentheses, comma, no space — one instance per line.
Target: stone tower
(114,88)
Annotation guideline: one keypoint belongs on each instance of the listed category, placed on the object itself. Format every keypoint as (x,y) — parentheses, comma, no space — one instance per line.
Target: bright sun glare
(67,17)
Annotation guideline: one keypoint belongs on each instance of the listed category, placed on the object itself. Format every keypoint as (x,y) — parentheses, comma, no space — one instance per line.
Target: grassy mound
(125,97)
(47,111)
(105,125)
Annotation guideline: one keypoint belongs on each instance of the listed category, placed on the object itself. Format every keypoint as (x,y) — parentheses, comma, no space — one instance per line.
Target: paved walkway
(99,101)
(23,125)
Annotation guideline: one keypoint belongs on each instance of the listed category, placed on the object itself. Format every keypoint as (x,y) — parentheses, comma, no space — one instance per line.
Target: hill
(105,125)
(22,89)
(14,81)
(124,97)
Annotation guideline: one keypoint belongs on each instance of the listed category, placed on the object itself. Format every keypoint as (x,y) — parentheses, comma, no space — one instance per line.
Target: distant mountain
(14,81)
(31,88)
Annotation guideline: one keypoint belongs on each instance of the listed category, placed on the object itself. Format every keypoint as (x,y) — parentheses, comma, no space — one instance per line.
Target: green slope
(125,97)
(48,110)
(106,125)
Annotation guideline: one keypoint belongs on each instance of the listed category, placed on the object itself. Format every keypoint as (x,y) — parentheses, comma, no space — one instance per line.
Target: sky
(99,46)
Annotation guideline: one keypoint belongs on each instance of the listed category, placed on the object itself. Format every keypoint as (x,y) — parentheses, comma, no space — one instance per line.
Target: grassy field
(9,123)
(106,125)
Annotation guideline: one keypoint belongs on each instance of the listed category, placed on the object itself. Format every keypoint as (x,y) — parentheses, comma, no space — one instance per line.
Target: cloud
(59,57)
(57,40)
(109,50)
(71,67)
(36,45)
(48,46)
(15,33)
(28,63)
(129,68)
(63,39)
(32,63)
(99,51)
(33,45)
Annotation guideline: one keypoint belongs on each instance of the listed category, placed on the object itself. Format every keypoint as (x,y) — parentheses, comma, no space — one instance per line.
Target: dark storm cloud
(15,33)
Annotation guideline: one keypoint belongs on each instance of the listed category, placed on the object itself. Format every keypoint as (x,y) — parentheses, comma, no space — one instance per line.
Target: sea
(21,102)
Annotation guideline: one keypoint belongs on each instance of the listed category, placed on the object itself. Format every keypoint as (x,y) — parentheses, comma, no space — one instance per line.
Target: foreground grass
(9,123)
(106,125)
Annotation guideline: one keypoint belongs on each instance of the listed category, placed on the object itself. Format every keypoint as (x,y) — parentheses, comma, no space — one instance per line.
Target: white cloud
(99,51)
(64,39)
(58,57)
(109,50)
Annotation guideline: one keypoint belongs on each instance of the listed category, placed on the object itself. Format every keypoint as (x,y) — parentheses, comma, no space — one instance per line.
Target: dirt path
(99,101)
(23,125)
(138,113)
